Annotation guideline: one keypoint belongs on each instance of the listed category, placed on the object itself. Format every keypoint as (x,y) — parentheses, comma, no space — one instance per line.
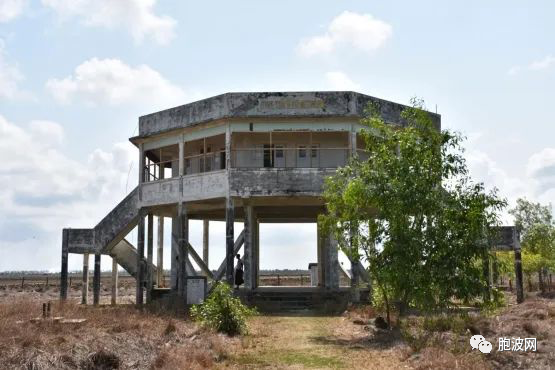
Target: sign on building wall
(275,104)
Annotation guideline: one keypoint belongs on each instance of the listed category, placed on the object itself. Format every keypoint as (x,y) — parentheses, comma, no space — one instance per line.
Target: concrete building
(250,157)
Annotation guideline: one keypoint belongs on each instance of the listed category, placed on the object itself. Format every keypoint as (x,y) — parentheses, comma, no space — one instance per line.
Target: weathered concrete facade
(250,157)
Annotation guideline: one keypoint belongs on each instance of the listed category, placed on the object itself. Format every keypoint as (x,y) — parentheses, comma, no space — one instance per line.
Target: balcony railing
(276,157)
(300,157)
(200,163)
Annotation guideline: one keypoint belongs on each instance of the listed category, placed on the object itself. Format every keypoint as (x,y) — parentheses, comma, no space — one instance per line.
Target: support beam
(160,254)
(236,247)
(249,253)
(149,257)
(85,287)
(181,158)
(114,281)
(199,261)
(229,220)
(140,257)
(96,280)
(183,240)
(205,241)
(519,284)
(63,272)
(174,254)
(141,169)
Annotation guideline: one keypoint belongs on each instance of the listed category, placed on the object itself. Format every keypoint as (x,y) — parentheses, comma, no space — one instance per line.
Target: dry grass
(110,336)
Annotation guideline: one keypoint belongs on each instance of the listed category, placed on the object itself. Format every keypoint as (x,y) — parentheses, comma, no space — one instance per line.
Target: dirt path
(299,342)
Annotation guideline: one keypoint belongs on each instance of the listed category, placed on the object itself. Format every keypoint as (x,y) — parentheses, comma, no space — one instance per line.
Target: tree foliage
(534,221)
(411,210)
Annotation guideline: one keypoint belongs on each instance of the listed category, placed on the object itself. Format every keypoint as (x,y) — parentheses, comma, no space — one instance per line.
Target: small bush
(223,312)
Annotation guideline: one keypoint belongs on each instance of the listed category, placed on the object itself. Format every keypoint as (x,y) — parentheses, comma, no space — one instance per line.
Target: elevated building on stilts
(249,157)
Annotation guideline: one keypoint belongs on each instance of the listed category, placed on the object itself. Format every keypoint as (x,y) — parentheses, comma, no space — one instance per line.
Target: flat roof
(308,104)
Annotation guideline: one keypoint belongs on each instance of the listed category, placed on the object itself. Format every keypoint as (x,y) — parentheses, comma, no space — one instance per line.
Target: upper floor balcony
(267,163)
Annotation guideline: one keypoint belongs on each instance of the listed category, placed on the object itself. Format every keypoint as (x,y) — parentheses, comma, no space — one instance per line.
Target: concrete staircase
(295,299)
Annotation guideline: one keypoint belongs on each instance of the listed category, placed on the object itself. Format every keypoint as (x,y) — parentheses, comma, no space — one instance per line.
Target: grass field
(140,339)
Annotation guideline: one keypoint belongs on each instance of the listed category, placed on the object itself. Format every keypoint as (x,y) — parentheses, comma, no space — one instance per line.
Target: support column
(85,288)
(256,249)
(230,239)
(160,254)
(96,280)
(183,239)
(63,272)
(328,264)
(174,254)
(249,257)
(332,263)
(149,257)
(518,277)
(181,158)
(205,241)
(140,257)
(321,257)
(114,281)
(141,169)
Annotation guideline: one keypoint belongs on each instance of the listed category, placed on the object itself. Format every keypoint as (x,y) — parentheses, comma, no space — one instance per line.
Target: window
(302,151)
(314,151)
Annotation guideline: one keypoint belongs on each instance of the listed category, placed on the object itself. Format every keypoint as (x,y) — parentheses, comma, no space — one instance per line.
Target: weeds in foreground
(223,312)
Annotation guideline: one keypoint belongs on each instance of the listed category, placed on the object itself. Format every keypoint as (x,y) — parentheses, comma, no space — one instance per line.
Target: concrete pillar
(256,250)
(63,272)
(141,169)
(320,257)
(230,239)
(249,253)
(174,254)
(353,142)
(332,263)
(183,239)
(96,280)
(518,277)
(149,257)
(205,240)
(114,281)
(85,288)
(328,264)
(160,254)
(140,258)
(181,158)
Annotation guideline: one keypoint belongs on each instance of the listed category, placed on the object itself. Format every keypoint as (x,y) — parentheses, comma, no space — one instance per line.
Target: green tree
(537,232)
(412,211)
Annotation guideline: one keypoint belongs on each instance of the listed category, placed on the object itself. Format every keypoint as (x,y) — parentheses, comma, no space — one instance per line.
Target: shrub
(223,312)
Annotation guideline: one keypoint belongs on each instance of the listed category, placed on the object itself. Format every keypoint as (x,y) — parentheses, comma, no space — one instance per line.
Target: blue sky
(75,76)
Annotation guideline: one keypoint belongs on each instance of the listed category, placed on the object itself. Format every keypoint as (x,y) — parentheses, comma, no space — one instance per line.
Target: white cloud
(10,77)
(99,81)
(538,65)
(43,190)
(11,9)
(360,31)
(136,16)
(340,81)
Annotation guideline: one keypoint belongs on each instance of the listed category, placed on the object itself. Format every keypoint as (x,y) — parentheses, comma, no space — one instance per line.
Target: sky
(75,75)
